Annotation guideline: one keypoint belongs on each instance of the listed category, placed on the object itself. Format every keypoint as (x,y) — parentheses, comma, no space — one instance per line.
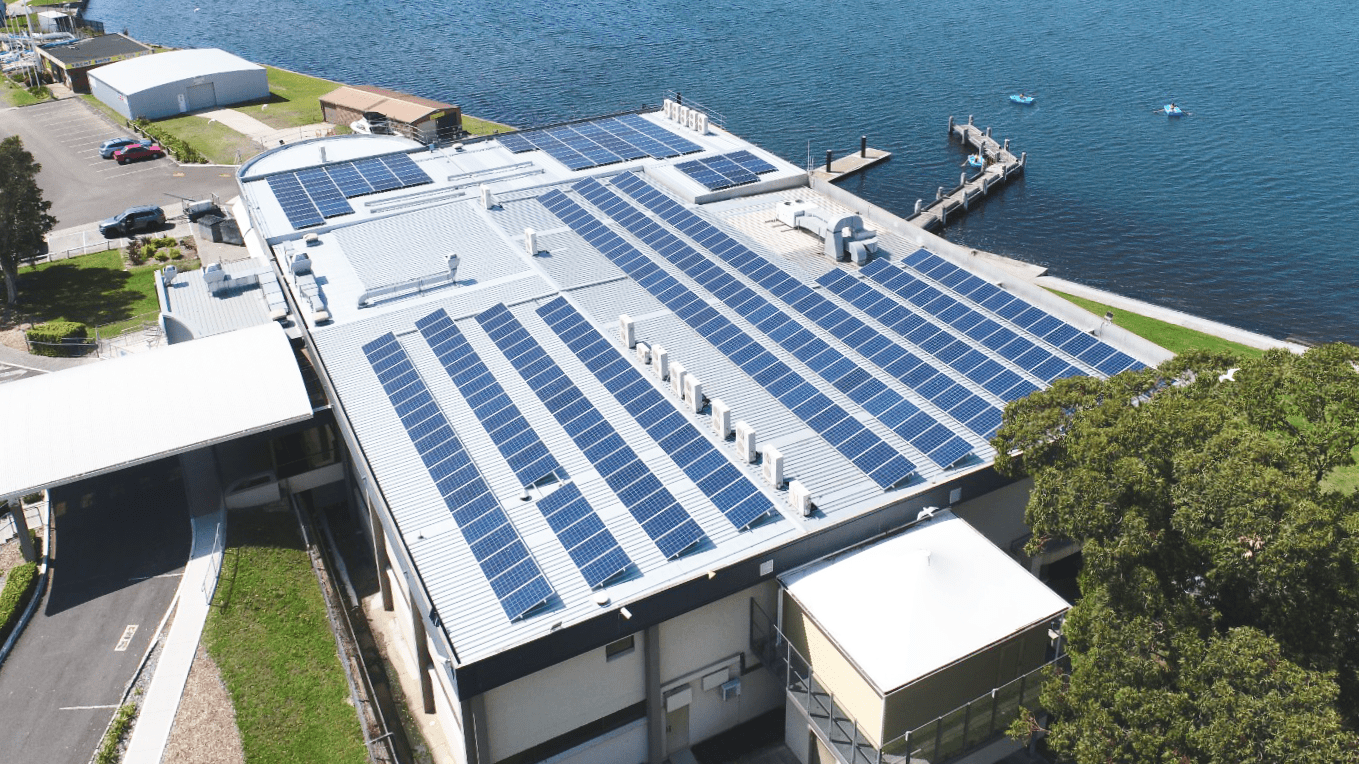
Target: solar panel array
(309,197)
(649,502)
(844,432)
(1103,357)
(730,490)
(735,169)
(602,141)
(504,558)
(591,546)
(917,427)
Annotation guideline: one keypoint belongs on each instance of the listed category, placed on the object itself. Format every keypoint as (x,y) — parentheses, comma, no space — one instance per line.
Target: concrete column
(16,510)
(829,155)
(655,709)
(380,558)
(422,659)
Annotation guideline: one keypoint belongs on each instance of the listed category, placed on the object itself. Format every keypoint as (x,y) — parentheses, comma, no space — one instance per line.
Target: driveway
(65,136)
(122,541)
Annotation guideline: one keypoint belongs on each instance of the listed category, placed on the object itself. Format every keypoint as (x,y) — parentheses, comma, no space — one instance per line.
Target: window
(619,648)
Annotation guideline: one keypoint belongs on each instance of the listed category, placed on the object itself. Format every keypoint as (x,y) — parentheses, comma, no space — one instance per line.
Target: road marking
(127,638)
(87,708)
(162,575)
(13,373)
(134,172)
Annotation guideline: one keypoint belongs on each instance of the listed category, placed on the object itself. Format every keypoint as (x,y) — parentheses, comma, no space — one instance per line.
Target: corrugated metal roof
(200,313)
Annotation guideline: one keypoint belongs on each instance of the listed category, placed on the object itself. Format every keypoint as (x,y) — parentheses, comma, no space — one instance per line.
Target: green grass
(14,95)
(108,747)
(213,140)
(1176,339)
(269,635)
(293,100)
(99,105)
(483,126)
(92,289)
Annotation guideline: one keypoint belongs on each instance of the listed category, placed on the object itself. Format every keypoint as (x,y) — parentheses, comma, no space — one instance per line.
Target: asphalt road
(122,541)
(65,135)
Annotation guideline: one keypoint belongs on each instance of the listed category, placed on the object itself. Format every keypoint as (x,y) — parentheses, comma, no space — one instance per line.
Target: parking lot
(65,135)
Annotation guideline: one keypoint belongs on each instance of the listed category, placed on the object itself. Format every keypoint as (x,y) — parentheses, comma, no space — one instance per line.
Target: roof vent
(531,242)
(311,239)
(453,261)
(168,275)
(301,264)
(487,197)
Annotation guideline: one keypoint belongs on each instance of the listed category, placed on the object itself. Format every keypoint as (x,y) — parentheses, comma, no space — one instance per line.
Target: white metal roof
(216,388)
(914,603)
(138,74)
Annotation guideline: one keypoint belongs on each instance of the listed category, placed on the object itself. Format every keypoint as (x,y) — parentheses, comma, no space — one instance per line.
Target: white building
(645,420)
(177,82)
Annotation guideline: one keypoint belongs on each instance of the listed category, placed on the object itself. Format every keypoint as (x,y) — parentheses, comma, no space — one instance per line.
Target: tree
(23,212)
(1220,588)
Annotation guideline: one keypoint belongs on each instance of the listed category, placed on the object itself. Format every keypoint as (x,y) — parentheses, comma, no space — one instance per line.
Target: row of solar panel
(1103,357)
(735,169)
(942,445)
(309,197)
(514,576)
(844,432)
(649,502)
(601,142)
(730,490)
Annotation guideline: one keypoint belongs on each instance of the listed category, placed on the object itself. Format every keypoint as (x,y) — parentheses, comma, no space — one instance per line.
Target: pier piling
(1001,164)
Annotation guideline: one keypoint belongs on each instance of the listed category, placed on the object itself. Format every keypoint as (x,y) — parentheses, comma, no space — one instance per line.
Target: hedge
(18,589)
(171,143)
(48,338)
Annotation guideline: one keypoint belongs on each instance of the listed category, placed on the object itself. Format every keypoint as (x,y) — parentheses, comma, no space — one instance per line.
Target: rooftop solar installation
(918,427)
(308,197)
(649,502)
(591,546)
(296,204)
(730,490)
(602,141)
(518,443)
(504,558)
(735,169)
(1101,356)
(880,461)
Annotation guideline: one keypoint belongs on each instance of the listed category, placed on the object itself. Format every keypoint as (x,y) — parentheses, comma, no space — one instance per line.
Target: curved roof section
(138,74)
(321,151)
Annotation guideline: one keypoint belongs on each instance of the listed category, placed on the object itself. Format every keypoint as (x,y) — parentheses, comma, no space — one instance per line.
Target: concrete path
(161,702)
(242,123)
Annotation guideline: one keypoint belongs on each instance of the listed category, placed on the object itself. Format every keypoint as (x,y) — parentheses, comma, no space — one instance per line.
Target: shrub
(33,498)
(108,747)
(171,143)
(18,590)
(148,251)
(165,241)
(48,338)
(135,251)
(162,255)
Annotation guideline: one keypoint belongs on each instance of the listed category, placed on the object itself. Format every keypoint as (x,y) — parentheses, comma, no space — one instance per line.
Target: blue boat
(976,160)
(1021,98)
(1171,110)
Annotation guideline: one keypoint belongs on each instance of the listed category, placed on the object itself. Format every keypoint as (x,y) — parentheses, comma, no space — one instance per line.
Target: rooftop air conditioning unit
(800,498)
(643,352)
(487,197)
(677,378)
(627,330)
(773,466)
(693,393)
(531,242)
(745,441)
(301,264)
(721,418)
(660,362)
(311,239)
(731,688)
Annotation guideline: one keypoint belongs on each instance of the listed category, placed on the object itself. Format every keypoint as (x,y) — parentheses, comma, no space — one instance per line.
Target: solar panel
(405,170)
(601,142)
(375,171)
(697,314)
(726,170)
(516,143)
(348,180)
(829,362)
(514,576)
(324,193)
(589,543)
(296,204)
(734,494)
(649,502)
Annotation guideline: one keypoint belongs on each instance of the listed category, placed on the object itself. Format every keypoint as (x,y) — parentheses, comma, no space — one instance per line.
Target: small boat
(1171,110)
(976,160)
(1021,98)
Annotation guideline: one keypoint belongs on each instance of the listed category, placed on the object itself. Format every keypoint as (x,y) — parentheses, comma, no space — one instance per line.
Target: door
(202,96)
(677,729)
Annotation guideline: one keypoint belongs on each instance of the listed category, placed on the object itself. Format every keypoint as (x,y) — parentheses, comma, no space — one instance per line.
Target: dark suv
(133,219)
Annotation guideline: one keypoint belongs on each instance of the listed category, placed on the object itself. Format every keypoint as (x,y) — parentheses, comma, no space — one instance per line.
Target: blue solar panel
(324,193)
(592,547)
(656,510)
(706,321)
(296,204)
(514,576)
(677,435)
(601,142)
(405,170)
(726,170)
(375,171)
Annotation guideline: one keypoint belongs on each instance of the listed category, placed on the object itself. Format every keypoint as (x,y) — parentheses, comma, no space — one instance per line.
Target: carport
(110,415)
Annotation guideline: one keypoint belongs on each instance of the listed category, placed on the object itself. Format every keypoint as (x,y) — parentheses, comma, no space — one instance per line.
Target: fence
(210,577)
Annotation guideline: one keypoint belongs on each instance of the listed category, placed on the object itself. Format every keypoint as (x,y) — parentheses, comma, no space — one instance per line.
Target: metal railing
(210,576)
(952,735)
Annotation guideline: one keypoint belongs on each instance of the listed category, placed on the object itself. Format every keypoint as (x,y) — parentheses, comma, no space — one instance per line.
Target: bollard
(939,194)
(969,120)
(679,97)
(828,160)
(988,132)
(918,203)
(950,125)
(863,146)
(962,179)
(1022,154)
(1006,146)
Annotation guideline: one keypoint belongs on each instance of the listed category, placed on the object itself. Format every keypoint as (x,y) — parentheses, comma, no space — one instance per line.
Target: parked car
(138,151)
(133,219)
(111,145)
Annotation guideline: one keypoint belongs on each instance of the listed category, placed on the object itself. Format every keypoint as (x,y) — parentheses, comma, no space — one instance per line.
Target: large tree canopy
(23,212)
(1219,610)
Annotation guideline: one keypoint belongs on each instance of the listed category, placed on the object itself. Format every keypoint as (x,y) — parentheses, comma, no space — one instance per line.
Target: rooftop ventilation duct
(843,236)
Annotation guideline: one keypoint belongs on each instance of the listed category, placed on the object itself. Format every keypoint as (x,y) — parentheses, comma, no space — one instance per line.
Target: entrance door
(677,729)
(202,96)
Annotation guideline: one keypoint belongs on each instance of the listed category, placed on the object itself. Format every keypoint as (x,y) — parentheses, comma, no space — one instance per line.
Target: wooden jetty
(845,166)
(1001,165)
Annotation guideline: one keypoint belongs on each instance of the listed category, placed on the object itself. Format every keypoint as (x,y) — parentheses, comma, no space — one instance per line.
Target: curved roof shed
(178,82)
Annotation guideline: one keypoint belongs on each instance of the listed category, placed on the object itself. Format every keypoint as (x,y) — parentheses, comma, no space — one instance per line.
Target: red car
(139,151)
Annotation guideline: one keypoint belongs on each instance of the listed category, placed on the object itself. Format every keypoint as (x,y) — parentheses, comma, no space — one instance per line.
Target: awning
(109,415)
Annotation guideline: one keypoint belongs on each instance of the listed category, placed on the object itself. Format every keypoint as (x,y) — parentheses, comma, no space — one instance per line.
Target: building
(177,82)
(618,393)
(71,62)
(417,118)
(54,21)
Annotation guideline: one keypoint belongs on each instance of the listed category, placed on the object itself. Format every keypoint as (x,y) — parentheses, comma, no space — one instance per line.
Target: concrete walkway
(262,133)
(161,702)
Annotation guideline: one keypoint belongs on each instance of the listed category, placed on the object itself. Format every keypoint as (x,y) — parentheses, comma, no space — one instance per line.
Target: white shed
(178,82)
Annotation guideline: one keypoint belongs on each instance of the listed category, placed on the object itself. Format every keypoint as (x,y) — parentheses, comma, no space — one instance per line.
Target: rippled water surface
(1246,211)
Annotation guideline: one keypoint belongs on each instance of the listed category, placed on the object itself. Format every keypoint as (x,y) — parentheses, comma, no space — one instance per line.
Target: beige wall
(934,695)
(626,745)
(852,691)
(562,697)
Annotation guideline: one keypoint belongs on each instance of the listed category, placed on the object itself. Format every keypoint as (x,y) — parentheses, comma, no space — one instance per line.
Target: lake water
(1246,211)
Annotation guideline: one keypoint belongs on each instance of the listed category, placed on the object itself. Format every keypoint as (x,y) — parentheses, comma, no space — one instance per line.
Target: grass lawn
(293,100)
(483,126)
(92,289)
(213,140)
(1176,339)
(269,635)
(14,95)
